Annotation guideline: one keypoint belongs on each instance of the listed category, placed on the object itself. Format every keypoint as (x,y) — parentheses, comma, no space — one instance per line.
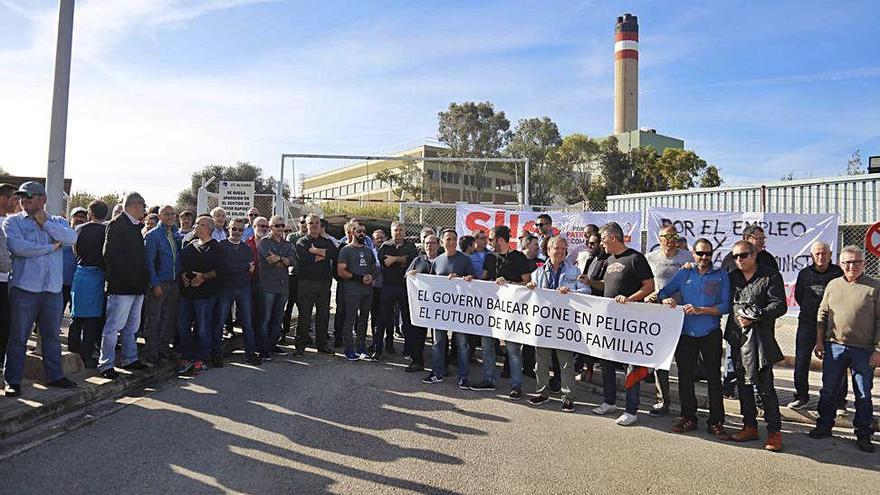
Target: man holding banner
(628,278)
(705,293)
(503,265)
(415,336)
(556,274)
(453,264)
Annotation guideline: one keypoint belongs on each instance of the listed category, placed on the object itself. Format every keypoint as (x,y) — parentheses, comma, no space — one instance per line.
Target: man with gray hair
(848,336)
(162,251)
(127,279)
(808,291)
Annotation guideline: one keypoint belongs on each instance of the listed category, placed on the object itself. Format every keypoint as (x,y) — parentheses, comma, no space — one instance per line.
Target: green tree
(577,159)
(406,180)
(678,168)
(83,198)
(711,177)
(241,171)
(473,130)
(538,139)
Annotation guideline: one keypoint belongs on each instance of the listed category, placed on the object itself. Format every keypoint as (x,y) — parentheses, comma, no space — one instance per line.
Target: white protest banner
(236,197)
(789,236)
(635,333)
(570,224)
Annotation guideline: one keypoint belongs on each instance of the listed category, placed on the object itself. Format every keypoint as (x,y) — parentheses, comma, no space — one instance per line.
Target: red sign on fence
(872,239)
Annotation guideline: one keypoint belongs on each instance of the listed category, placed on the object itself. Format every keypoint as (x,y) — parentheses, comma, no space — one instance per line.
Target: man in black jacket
(314,255)
(758,300)
(395,255)
(126,273)
(808,291)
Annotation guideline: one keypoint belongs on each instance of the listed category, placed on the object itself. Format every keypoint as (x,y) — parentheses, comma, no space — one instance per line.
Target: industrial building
(443,182)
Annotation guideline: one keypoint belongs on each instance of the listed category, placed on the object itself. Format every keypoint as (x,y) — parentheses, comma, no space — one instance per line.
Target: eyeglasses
(741,256)
(262,226)
(253,214)
(236,229)
(278,225)
(592,243)
(703,254)
(761,238)
(670,237)
(852,263)
(540,224)
(302,222)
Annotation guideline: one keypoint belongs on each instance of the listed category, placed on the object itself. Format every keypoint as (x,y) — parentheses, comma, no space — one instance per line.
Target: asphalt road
(318,424)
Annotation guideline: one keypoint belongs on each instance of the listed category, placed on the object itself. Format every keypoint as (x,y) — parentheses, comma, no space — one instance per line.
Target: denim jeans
(271,315)
(838,358)
(241,296)
(44,309)
(514,353)
(609,387)
(438,353)
(803,354)
(123,315)
(195,340)
(357,310)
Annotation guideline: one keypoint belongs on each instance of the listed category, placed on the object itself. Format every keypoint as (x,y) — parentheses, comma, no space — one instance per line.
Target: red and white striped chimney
(626,74)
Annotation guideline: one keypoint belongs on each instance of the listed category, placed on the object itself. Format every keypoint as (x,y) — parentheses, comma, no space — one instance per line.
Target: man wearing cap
(35,240)
(127,279)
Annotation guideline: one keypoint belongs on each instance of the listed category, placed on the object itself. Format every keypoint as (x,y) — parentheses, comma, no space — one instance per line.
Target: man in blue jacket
(705,293)
(162,251)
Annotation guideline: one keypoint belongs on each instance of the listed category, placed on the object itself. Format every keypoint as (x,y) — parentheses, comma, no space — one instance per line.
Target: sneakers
(626,419)
(279,351)
(266,356)
(12,390)
(841,411)
(135,366)
(351,356)
(199,367)
(604,409)
(109,374)
(538,400)
(62,382)
(412,368)
(659,409)
(747,434)
(185,365)
(863,442)
(464,384)
(567,405)
(253,359)
(774,441)
(515,393)
(798,404)
(819,432)
(363,356)
(483,385)
(432,378)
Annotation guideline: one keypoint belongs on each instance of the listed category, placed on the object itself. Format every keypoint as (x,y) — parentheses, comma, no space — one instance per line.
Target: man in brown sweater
(848,336)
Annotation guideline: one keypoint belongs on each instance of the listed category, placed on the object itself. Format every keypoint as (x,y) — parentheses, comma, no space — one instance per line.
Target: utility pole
(58,132)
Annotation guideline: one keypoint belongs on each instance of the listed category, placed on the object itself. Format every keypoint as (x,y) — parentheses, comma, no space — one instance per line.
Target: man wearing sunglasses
(704,292)
(758,300)
(848,336)
(314,254)
(545,231)
(252,215)
(665,263)
(276,254)
(292,238)
(356,268)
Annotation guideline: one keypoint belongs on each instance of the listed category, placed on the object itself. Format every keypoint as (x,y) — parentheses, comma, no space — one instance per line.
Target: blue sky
(161,88)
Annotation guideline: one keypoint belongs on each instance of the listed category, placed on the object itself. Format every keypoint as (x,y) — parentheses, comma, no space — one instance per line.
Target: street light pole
(58,131)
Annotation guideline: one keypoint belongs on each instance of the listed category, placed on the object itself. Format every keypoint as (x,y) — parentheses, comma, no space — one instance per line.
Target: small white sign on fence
(236,197)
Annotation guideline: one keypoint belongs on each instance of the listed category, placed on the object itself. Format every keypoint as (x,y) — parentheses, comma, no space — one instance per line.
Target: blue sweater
(163,264)
(235,269)
(707,290)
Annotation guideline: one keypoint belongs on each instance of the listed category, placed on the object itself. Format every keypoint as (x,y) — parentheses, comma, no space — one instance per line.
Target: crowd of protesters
(182,280)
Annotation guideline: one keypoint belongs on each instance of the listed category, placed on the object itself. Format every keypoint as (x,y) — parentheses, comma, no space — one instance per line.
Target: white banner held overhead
(571,224)
(789,236)
(236,197)
(635,333)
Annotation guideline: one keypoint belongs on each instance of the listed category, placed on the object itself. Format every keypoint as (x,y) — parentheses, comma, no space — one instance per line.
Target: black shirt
(625,273)
(595,268)
(202,258)
(532,264)
(307,267)
(512,266)
(763,258)
(394,274)
(90,244)
(810,288)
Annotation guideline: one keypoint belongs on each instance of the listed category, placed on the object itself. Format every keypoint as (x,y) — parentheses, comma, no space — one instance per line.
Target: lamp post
(58,130)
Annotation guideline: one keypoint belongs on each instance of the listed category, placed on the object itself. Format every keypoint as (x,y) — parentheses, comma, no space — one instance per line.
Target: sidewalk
(39,404)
